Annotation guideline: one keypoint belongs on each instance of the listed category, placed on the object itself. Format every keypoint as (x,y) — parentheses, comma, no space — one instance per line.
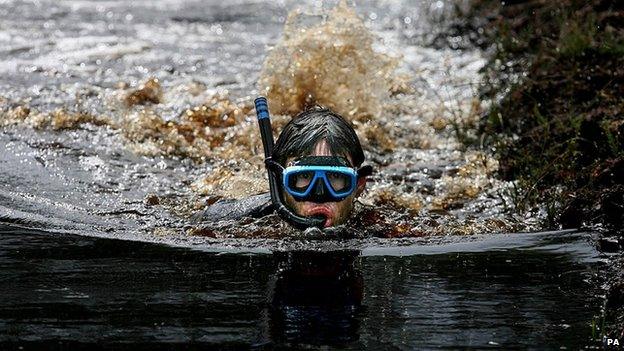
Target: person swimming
(315,172)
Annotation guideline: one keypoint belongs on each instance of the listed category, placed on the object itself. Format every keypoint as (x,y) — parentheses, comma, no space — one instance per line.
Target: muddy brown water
(119,119)
(104,106)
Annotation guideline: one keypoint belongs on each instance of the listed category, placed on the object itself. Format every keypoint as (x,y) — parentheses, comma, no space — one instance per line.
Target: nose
(319,189)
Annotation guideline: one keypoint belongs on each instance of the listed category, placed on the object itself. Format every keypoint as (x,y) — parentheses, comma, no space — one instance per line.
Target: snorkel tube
(266,133)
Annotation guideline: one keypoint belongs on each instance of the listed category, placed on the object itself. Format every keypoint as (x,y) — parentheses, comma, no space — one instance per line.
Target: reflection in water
(316,298)
(88,293)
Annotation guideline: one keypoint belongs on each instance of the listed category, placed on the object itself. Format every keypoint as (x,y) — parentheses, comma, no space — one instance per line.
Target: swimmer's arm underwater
(255,206)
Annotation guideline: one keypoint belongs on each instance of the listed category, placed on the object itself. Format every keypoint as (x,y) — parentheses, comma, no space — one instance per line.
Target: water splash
(193,125)
(328,59)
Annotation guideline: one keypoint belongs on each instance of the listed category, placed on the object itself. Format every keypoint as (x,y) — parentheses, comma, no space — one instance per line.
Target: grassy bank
(556,79)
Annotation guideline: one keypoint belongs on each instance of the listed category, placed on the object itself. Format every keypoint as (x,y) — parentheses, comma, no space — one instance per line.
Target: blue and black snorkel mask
(320,178)
(311,178)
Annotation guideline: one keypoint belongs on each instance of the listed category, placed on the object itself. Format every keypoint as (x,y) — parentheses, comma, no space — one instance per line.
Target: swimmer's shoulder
(254,206)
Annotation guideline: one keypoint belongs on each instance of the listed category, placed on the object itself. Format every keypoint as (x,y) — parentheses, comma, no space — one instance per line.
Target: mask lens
(300,181)
(339,181)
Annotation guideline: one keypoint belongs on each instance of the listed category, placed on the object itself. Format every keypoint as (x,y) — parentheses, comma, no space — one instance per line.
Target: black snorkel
(266,133)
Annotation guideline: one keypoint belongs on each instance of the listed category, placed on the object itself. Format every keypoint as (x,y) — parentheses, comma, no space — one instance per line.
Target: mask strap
(365,171)
(273,166)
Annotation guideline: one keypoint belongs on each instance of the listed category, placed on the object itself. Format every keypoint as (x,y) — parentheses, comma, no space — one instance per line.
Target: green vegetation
(557,76)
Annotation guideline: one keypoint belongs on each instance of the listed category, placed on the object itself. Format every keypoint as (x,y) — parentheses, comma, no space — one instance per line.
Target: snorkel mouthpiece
(266,133)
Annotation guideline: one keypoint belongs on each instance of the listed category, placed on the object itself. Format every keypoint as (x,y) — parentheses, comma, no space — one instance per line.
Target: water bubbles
(141,69)
(437,8)
(217,29)
(35,90)
(32,69)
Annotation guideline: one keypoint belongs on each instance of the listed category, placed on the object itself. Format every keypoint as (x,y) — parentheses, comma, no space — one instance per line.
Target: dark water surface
(67,292)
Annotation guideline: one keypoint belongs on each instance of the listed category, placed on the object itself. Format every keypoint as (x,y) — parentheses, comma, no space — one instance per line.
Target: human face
(336,212)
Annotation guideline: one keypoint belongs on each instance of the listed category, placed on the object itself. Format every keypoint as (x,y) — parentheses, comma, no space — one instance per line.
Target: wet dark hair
(303,132)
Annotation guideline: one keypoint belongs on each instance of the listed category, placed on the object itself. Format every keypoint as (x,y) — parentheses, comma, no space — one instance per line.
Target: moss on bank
(557,76)
(557,122)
